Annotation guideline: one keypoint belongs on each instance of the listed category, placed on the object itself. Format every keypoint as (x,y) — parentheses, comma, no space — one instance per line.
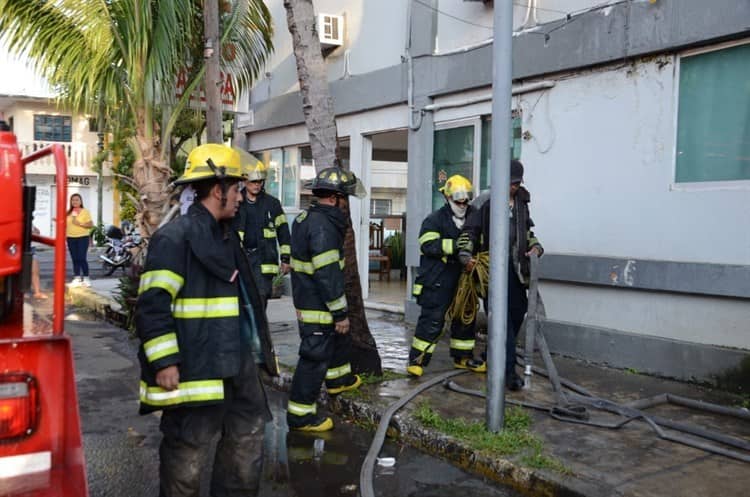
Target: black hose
(367,472)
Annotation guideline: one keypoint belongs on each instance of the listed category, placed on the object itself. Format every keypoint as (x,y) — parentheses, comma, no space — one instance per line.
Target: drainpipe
(410,72)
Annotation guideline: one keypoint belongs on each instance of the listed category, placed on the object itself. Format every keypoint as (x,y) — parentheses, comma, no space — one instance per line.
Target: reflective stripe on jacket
(438,266)
(188,310)
(262,226)
(317,265)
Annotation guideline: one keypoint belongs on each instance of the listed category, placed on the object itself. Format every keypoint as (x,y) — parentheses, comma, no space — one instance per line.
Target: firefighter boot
(415,370)
(475,365)
(311,422)
(343,388)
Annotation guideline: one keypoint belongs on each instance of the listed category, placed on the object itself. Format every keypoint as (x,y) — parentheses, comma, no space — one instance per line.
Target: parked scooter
(120,247)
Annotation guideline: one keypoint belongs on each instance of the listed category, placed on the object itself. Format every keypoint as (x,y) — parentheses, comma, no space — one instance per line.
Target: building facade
(632,122)
(39,122)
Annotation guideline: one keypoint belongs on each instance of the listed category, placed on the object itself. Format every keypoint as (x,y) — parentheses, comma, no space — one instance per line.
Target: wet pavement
(628,461)
(121,447)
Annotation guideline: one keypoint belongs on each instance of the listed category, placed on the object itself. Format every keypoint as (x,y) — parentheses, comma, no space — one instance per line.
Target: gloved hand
(464,243)
(469,266)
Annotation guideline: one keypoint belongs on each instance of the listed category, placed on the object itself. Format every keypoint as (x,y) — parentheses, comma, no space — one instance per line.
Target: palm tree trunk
(317,106)
(151,178)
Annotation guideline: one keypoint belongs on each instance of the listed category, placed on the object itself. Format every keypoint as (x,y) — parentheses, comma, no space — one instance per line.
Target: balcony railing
(80,156)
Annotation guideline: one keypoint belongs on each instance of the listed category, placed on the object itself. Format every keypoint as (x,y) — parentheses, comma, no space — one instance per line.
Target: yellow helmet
(457,188)
(211,160)
(252,168)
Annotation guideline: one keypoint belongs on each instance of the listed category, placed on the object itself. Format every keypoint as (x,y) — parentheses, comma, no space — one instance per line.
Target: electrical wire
(452,16)
(569,16)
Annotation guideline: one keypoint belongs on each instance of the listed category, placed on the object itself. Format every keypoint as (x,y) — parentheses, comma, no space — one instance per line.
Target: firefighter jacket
(189,311)
(261,224)
(438,266)
(475,235)
(318,265)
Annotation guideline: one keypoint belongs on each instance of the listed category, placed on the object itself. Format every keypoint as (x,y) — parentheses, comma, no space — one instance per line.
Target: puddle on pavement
(329,464)
(393,343)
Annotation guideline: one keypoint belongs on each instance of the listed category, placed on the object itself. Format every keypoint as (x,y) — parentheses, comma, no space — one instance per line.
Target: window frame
(737,185)
(62,127)
(374,201)
(476,122)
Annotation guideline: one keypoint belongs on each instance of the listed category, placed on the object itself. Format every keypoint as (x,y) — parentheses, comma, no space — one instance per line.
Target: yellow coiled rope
(471,287)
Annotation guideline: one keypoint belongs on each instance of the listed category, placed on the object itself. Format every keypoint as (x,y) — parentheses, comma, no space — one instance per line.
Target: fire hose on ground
(570,407)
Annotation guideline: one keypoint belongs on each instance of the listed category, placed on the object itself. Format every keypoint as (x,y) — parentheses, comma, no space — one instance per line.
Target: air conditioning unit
(330,30)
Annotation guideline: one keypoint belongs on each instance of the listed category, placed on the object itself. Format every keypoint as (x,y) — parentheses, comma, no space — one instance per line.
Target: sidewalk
(629,461)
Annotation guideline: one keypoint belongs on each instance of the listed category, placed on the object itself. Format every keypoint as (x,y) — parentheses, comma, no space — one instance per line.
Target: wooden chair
(380,258)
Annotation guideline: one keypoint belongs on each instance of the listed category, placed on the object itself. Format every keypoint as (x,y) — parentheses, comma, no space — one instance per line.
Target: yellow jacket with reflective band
(439,268)
(262,226)
(318,265)
(188,310)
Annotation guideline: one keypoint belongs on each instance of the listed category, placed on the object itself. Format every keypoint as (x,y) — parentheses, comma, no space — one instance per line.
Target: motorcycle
(120,247)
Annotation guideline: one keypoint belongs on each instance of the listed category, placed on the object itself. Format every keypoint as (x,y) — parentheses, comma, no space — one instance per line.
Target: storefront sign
(77,180)
(198,99)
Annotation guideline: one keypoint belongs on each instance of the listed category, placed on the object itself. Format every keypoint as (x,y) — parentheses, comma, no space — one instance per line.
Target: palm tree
(123,56)
(317,106)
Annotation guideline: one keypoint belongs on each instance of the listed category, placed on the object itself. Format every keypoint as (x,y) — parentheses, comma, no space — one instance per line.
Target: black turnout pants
(434,301)
(189,431)
(518,304)
(321,349)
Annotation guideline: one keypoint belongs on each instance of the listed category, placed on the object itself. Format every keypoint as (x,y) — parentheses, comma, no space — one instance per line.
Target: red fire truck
(40,436)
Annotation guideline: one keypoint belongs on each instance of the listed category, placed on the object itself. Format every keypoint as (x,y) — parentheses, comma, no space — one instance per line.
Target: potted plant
(277,286)
(395,243)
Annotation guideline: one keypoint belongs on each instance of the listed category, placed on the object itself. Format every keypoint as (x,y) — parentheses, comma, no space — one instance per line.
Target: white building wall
(462,23)
(386,174)
(599,162)
(80,152)
(600,166)
(375,37)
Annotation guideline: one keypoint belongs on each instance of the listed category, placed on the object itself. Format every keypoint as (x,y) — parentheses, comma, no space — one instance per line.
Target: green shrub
(97,233)
(396,243)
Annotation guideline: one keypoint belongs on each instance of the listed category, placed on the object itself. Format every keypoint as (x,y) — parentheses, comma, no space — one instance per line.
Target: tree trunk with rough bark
(213,71)
(317,106)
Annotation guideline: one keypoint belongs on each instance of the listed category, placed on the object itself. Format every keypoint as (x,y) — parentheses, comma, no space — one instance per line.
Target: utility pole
(502,80)
(212,52)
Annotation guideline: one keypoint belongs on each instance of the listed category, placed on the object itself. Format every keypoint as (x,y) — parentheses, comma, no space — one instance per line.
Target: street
(45,256)
(121,447)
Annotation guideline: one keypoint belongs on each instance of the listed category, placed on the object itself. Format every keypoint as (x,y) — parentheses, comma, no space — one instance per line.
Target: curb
(103,307)
(389,308)
(527,481)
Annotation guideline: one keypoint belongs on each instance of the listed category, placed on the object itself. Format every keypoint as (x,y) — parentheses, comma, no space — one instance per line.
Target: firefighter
(436,282)
(196,360)
(318,291)
(475,237)
(261,223)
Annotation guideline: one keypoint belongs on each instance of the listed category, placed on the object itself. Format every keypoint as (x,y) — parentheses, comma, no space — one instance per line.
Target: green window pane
(290,178)
(270,159)
(713,118)
(516,138)
(453,154)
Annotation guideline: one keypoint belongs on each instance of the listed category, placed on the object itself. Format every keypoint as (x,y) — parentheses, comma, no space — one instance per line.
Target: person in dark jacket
(437,280)
(320,301)
(261,224)
(475,237)
(196,357)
